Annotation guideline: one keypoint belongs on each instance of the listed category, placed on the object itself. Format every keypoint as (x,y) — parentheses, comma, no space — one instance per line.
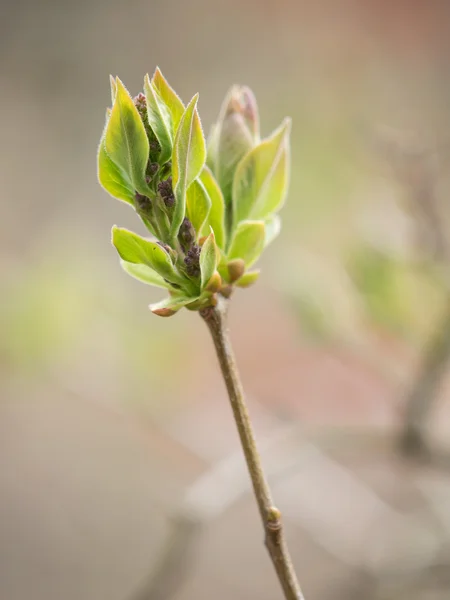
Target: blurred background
(120,470)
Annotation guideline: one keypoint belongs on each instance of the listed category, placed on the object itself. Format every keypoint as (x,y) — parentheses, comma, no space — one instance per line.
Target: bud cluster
(210,212)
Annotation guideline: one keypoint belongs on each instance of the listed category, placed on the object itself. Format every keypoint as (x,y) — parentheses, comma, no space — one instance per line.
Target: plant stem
(425,389)
(275,542)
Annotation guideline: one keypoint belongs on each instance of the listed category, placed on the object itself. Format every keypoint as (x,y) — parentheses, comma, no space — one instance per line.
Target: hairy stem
(275,542)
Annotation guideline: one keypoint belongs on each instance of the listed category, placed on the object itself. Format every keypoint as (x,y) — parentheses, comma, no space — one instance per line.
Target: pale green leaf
(126,142)
(170,99)
(198,205)
(111,178)
(113,85)
(209,258)
(134,249)
(216,216)
(145,274)
(248,279)
(159,119)
(188,159)
(248,242)
(261,179)
(273,228)
(172,303)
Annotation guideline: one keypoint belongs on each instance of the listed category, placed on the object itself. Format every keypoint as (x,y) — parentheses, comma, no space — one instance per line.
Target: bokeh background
(120,471)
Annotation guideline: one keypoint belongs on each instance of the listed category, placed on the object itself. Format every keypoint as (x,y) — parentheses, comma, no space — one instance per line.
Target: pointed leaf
(248,242)
(248,279)
(159,119)
(211,146)
(209,258)
(188,158)
(111,178)
(145,274)
(234,139)
(216,216)
(113,85)
(126,142)
(172,303)
(273,228)
(170,99)
(198,205)
(134,249)
(261,179)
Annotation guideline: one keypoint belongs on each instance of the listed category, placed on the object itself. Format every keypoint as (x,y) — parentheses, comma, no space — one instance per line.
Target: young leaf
(111,178)
(198,205)
(273,228)
(145,274)
(159,119)
(126,142)
(112,82)
(248,242)
(170,99)
(209,258)
(169,306)
(188,158)
(134,249)
(216,216)
(261,179)
(234,140)
(248,279)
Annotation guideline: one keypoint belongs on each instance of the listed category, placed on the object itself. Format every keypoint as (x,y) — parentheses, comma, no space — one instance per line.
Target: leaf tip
(163,312)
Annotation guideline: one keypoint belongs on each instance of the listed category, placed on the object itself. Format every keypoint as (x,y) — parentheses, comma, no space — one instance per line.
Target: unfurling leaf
(216,216)
(126,142)
(111,178)
(113,85)
(188,159)
(170,99)
(145,274)
(134,249)
(159,120)
(248,279)
(169,306)
(261,179)
(237,131)
(198,205)
(273,228)
(248,242)
(209,258)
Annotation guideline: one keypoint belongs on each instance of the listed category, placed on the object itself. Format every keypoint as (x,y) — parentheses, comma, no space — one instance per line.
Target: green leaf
(111,178)
(273,228)
(198,205)
(248,242)
(261,179)
(145,274)
(234,140)
(216,216)
(126,142)
(211,146)
(171,305)
(170,99)
(209,258)
(159,119)
(188,158)
(112,82)
(248,279)
(134,249)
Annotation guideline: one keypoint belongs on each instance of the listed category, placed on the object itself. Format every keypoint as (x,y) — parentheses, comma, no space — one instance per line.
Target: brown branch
(275,542)
(425,389)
